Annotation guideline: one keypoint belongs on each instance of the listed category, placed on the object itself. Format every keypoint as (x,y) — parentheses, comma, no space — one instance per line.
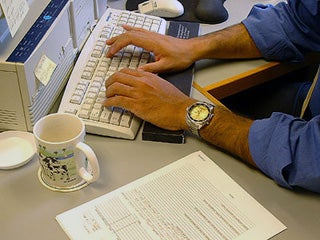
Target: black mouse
(211,11)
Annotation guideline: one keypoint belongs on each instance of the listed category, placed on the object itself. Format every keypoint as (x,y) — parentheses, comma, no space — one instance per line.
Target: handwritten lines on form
(191,209)
(189,199)
(195,211)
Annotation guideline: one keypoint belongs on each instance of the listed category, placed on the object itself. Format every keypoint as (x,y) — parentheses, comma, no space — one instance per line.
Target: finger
(116,44)
(130,28)
(126,77)
(110,41)
(134,72)
(152,67)
(120,77)
(127,28)
(119,101)
(116,101)
(119,89)
(137,37)
(131,71)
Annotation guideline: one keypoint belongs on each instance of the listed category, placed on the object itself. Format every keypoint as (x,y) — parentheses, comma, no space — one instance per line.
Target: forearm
(231,43)
(230,132)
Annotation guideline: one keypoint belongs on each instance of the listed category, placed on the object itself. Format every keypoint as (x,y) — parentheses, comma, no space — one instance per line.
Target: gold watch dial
(199,113)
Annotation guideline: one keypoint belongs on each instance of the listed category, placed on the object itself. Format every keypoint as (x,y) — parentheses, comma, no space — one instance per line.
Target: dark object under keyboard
(182,80)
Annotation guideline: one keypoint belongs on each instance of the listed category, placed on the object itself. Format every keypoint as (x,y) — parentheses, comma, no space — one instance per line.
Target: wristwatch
(199,115)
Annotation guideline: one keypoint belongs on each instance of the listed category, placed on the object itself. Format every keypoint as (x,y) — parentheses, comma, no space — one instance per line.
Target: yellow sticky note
(44,69)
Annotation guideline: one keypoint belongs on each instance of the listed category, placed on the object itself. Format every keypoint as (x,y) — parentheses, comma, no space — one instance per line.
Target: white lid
(16,149)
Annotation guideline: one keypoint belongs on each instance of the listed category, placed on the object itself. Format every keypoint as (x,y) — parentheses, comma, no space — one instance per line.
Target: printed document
(191,198)
(14,11)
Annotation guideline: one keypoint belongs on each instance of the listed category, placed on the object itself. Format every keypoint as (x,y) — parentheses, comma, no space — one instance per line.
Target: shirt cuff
(269,146)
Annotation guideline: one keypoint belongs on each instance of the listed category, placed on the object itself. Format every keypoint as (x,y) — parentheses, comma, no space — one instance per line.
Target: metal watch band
(195,126)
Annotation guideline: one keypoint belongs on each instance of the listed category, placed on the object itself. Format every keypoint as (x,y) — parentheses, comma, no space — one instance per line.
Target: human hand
(149,97)
(171,54)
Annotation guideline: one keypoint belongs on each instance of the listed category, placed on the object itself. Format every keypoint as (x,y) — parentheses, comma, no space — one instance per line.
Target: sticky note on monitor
(44,69)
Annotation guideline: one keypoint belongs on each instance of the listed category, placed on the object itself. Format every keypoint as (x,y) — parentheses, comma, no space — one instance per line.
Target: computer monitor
(7,42)
(36,61)
(44,33)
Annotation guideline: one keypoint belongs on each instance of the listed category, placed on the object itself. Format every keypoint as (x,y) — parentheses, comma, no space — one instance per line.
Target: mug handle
(91,156)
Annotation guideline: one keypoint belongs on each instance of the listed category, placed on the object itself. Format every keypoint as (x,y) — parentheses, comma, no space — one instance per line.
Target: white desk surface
(28,209)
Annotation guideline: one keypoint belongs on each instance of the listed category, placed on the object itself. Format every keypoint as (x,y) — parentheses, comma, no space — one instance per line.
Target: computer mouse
(162,8)
(211,11)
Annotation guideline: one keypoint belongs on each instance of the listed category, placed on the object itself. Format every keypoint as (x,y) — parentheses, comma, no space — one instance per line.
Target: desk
(28,209)
(224,78)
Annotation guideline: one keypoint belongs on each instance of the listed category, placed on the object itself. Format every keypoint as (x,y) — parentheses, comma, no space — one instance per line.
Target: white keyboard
(85,91)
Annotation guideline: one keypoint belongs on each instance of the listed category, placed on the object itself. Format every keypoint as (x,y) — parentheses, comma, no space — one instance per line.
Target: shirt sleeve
(282,146)
(287,30)
(287,149)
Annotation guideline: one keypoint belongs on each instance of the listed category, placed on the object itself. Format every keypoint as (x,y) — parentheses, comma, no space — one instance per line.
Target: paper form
(191,198)
(14,12)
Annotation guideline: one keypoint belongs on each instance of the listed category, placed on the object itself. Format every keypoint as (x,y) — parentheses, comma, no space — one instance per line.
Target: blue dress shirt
(284,147)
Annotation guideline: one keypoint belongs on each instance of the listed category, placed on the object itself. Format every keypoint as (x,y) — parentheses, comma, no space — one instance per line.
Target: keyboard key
(105,115)
(87,75)
(84,114)
(95,114)
(89,101)
(98,106)
(71,111)
(154,27)
(86,106)
(126,119)
(116,116)
(76,99)
(78,92)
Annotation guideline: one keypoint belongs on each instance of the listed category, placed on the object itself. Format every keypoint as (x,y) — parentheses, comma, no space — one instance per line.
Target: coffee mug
(66,162)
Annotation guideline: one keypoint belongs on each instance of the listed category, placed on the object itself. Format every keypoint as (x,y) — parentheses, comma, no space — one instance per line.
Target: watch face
(199,112)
